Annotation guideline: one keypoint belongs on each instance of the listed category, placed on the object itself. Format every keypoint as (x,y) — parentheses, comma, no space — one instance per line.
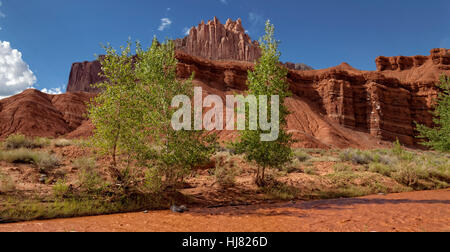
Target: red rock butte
(338,107)
(216,41)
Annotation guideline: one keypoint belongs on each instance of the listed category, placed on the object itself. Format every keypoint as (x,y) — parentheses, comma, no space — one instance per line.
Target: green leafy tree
(132,115)
(115,113)
(439,136)
(268,78)
(178,151)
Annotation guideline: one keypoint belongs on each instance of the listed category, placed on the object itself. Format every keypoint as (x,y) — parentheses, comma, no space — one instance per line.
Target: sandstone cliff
(83,75)
(216,41)
(336,107)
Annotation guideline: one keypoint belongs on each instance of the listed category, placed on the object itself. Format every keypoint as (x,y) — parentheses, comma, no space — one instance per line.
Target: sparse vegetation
(19,141)
(84,163)
(43,160)
(225,171)
(61,189)
(62,143)
(6,184)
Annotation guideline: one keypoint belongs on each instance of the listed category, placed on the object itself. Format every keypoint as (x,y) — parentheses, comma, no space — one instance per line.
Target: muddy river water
(412,211)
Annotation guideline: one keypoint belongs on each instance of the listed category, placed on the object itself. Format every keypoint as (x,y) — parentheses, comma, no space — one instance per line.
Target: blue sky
(52,34)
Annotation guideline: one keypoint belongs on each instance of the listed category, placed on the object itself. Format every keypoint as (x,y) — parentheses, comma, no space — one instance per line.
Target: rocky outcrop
(83,75)
(382,104)
(34,113)
(439,56)
(297,66)
(216,41)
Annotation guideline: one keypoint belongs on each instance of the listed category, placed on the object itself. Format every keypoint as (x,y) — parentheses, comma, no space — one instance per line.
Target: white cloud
(224,1)
(2,15)
(256,23)
(15,74)
(186,31)
(255,18)
(165,24)
(52,91)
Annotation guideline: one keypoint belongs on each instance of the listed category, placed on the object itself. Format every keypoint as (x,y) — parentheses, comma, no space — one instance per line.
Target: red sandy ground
(414,211)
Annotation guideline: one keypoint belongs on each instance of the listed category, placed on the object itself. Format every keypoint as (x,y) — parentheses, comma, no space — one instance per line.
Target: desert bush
(43,160)
(19,141)
(340,167)
(6,183)
(356,156)
(409,174)
(365,157)
(381,168)
(62,143)
(301,156)
(310,170)
(281,191)
(294,166)
(153,181)
(61,189)
(84,163)
(90,181)
(225,171)
(24,156)
(46,161)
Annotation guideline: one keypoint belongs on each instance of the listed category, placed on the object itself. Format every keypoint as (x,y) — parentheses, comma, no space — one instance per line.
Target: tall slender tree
(268,78)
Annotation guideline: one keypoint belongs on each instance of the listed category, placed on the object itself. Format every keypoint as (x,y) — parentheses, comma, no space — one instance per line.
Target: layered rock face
(439,56)
(338,107)
(34,113)
(382,104)
(216,41)
(83,75)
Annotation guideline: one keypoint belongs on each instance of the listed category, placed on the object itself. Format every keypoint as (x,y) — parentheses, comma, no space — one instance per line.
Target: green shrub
(225,171)
(385,170)
(153,181)
(62,143)
(90,180)
(41,142)
(46,161)
(6,183)
(280,191)
(301,156)
(84,163)
(16,142)
(339,167)
(310,170)
(19,141)
(61,189)
(356,156)
(43,160)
